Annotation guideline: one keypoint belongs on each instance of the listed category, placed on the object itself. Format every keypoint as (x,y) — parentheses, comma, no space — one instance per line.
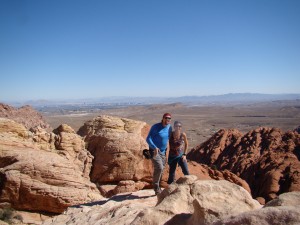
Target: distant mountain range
(231,98)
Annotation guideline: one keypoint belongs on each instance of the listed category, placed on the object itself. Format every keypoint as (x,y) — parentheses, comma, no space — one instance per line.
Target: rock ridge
(267,158)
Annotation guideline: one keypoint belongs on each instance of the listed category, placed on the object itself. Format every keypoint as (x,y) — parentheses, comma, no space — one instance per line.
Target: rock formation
(193,201)
(188,201)
(118,166)
(282,210)
(41,171)
(25,115)
(266,158)
(120,209)
(117,144)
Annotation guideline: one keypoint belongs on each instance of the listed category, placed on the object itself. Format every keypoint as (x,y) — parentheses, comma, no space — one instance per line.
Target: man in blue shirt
(158,139)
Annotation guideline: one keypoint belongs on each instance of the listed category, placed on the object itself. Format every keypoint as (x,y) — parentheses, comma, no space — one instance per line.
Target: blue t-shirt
(158,136)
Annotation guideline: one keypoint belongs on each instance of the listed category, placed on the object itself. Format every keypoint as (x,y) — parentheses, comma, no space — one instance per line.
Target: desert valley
(61,166)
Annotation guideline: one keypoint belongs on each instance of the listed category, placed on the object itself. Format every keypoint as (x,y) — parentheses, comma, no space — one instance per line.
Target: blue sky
(70,49)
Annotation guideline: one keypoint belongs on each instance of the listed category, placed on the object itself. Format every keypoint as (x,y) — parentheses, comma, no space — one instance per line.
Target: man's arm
(149,138)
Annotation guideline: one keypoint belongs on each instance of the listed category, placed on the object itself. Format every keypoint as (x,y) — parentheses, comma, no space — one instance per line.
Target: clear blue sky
(58,49)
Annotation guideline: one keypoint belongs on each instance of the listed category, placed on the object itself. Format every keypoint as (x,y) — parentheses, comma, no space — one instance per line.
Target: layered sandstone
(267,158)
(44,172)
(25,115)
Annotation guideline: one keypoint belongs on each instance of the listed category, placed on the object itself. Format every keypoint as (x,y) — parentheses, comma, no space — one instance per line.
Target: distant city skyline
(92,49)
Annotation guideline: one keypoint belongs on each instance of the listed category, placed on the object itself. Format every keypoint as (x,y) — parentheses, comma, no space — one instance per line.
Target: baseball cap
(167,115)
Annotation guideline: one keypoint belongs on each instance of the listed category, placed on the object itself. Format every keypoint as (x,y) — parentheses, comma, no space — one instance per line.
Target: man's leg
(158,164)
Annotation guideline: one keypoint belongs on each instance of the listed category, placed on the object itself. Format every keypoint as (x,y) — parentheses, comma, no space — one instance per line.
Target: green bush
(7,214)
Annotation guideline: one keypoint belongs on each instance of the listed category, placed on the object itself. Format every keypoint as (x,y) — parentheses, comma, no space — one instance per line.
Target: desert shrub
(6,214)
(214,167)
(18,217)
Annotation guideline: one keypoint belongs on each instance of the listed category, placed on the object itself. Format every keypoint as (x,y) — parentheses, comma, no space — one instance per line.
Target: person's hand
(155,152)
(184,158)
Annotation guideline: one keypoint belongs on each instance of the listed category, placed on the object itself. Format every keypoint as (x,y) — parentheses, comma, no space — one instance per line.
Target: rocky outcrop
(193,201)
(267,158)
(25,115)
(188,201)
(117,144)
(282,210)
(205,172)
(48,178)
(120,209)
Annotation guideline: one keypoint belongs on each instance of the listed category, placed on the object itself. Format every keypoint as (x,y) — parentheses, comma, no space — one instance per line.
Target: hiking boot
(157,191)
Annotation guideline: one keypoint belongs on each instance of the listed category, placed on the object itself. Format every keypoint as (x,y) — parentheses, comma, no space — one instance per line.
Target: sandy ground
(199,122)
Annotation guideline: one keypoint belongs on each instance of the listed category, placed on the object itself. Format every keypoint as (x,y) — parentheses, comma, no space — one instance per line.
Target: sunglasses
(168,118)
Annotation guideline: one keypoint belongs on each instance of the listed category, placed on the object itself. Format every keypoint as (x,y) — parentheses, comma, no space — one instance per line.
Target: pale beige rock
(287,215)
(125,186)
(72,147)
(47,180)
(43,181)
(193,201)
(32,218)
(10,126)
(118,210)
(285,199)
(175,208)
(219,198)
(43,139)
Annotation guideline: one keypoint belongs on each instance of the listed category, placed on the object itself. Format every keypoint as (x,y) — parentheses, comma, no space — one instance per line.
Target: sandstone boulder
(286,199)
(287,215)
(193,201)
(117,144)
(282,210)
(36,179)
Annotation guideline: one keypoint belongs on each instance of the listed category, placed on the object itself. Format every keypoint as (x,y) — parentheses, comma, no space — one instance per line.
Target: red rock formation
(117,144)
(266,158)
(25,115)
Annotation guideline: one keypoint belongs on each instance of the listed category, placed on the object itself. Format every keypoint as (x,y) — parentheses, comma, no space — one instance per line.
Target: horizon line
(156,97)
